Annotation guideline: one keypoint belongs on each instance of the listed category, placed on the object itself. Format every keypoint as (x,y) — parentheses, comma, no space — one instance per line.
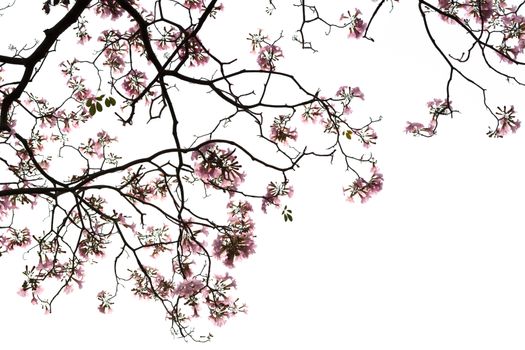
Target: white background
(435,261)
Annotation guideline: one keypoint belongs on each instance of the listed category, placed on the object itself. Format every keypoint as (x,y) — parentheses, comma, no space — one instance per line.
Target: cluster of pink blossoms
(365,189)
(191,49)
(218,167)
(193,292)
(110,8)
(274,191)
(134,82)
(12,238)
(96,146)
(92,245)
(69,272)
(188,45)
(268,56)
(105,302)
(194,4)
(347,94)
(312,113)
(367,136)
(237,240)
(496,17)
(115,50)
(7,204)
(507,122)
(156,238)
(268,53)
(280,132)
(221,306)
(437,107)
(356,26)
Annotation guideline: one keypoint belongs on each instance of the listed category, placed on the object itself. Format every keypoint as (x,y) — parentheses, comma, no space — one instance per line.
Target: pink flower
(312,113)
(507,122)
(194,4)
(191,50)
(6,204)
(347,94)
(232,246)
(218,168)
(280,132)
(134,82)
(109,8)
(189,287)
(105,302)
(356,26)
(68,289)
(273,192)
(268,56)
(17,238)
(365,189)
(368,136)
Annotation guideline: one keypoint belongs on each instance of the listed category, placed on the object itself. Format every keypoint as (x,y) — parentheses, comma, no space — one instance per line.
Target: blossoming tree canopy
(110,75)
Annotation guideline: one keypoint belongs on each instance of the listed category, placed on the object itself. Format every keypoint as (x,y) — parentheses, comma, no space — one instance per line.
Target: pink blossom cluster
(479,10)
(191,239)
(191,49)
(280,131)
(97,146)
(194,4)
(507,122)
(274,191)
(92,244)
(313,112)
(81,31)
(346,94)
(218,167)
(105,302)
(12,238)
(365,189)
(7,204)
(189,287)
(134,82)
(269,53)
(237,240)
(437,107)
(69,272)
(161,287)
(110,8)
(356,25)
(367,136)
(221,306)
(114,50)
(193,290)
(157,238)
(268,56)
(496,17)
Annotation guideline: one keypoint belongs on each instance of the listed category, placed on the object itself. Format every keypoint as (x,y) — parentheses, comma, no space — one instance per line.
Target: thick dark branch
(470,32)
(40,53)
(12,60)
(371,19)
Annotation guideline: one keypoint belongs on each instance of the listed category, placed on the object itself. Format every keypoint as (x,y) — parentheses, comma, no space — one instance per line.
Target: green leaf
(89,102)
(99,107)
(107,103)
(100,98)
(92,110)
(112,100)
